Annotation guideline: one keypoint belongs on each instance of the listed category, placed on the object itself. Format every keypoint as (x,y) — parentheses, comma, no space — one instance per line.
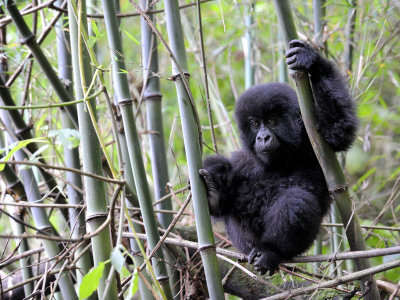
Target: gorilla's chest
(255,195)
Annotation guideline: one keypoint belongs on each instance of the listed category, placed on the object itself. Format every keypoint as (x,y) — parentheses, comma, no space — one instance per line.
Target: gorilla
(271,194)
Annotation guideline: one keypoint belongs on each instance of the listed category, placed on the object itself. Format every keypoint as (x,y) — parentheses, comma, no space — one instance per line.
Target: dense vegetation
(241,45)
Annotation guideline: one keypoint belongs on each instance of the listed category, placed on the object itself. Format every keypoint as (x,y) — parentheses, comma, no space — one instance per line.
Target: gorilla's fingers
(212,193)
(291,60)
(296,43)
(252,255)
(293,51)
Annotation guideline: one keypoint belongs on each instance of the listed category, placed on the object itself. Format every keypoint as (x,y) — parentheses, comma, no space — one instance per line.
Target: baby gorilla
(272,194)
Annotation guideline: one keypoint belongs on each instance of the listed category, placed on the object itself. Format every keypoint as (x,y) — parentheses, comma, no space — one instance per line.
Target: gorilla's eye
(271,122)
(254,123)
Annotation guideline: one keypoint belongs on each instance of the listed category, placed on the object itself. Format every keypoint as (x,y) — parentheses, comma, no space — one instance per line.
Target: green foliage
(117,259)
(15,147)
(67,137)
(91,281)
(372,165)
(133,287)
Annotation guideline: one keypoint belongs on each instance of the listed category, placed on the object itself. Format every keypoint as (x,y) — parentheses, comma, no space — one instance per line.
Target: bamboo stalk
(152,97)
(16,189)
(319,16)
(191,135)
(125,103)
(334,176)
(349,33)
(91,150)
(23,132)
(28,38)
(248,47)
(145,293)
(42,222)
(77,217)
(282,68)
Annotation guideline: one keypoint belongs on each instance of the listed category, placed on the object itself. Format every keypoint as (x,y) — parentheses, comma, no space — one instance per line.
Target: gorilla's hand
(212,193)
(301,56)
(253,254)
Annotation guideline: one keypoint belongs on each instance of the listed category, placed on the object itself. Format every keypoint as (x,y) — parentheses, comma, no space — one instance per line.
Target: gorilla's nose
(264,139)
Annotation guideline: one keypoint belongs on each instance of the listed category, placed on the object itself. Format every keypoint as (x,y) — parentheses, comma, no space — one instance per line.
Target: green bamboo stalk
(125,103)
(132,201)
(349,33)
(152,97)
(248,47)
(42,222)
(319,16)
(193,150)
(283,71)
(16,189)
(128,175)
(334,176)
(28,38)
(77,218)
(23,132)
(91,150)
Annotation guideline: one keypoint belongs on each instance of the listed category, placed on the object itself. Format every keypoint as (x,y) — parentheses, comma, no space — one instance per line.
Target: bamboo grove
(107,110)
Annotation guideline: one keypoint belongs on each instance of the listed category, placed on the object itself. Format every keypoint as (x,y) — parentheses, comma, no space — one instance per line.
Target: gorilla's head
(269,121)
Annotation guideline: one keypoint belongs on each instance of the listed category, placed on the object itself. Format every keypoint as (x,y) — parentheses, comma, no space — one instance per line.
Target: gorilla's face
(269,122)
(265,140)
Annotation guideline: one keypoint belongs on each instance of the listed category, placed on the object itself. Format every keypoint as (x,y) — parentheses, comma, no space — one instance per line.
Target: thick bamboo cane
(125,103)
(333,172)
(91,151)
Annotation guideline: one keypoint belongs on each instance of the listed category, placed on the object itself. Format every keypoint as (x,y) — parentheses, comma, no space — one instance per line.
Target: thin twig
(168,230)
(337,281)
(125,15)
(204,66)
(44,166)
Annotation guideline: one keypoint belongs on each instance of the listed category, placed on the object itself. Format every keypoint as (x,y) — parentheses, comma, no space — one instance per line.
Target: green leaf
(132,38)
(17,146)
(91,281)
(95,29)
(117,259)
(67,137)
(134,285)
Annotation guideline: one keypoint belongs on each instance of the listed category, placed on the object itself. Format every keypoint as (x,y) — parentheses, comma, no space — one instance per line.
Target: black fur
(272,194)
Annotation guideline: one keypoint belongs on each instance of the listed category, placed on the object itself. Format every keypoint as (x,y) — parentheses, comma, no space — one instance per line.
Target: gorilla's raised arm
(334,106)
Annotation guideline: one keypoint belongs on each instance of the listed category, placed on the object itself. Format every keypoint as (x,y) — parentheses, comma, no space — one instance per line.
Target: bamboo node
(26,40)
(163,279)
(95,217)
(206,247)
(298,74)
(340,188)
(125,102)
(152,96)
(177,76)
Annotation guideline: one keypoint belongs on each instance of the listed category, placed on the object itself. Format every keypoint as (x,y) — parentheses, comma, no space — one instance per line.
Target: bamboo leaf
(134,285)
(132,38)
(17,146)
(117,259)
(67,137)
(95,29)
(91,281)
